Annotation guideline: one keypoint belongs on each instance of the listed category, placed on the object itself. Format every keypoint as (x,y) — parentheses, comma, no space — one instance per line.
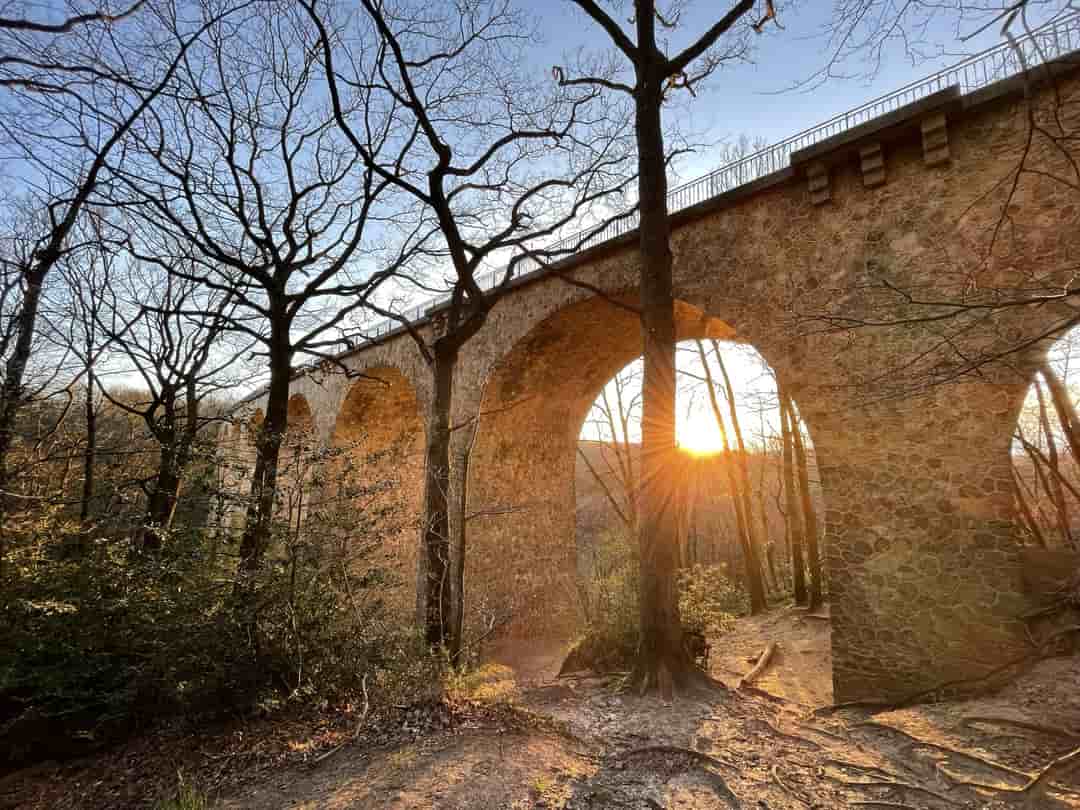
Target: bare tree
(792,509)
(70,23)
(180,361)
(616,412)
(500,164)
(1063,407)
(74,323)
(663,659)
(809,512)
(738,484)
(1047,468)
(243,188)
(65,132)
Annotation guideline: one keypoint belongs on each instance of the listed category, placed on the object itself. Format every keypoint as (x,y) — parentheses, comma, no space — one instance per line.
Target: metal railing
(1051,41)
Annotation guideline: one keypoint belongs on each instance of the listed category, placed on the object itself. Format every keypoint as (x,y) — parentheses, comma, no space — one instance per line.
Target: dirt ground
(581,743)
(518,738)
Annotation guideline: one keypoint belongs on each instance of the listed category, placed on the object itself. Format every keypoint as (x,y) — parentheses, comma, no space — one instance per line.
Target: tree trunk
(809,513)
(682,473)
(763,508)
(260,510)
(792,517)
(744,473)
(661,659)
(11,392)
(1025,510)
(751,565)
(433,597)
(162,501)
(1054,487)
(1040,478)
(1070,423)
(770,566)
(459,493)
(624,452)
(89,461)
(693,552)
(174,455)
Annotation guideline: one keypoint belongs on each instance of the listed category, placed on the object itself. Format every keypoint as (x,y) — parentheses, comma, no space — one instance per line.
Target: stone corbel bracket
(935,139)
(817,182)
(870,141)
(872,163)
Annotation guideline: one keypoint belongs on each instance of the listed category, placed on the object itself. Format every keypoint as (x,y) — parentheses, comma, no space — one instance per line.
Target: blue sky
(757,97)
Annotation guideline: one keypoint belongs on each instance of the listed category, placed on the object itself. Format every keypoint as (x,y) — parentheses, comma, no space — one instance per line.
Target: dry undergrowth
(518,738)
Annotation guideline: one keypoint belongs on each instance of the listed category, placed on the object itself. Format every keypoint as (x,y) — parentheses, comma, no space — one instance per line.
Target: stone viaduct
(922,542)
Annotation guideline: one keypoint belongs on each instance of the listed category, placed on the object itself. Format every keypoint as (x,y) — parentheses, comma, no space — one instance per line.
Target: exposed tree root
(1056,636)
(879,778)
(589,675)
(669,750)
(886,783)
(790,791)
(1053,731)
(1033,793)
(871,771)
(824,732)
(674,675)
(914,743)
(796,738)
(750,689)
(697,757)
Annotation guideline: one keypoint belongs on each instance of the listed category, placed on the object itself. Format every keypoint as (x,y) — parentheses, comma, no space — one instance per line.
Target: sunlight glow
(697,433)
(696,430)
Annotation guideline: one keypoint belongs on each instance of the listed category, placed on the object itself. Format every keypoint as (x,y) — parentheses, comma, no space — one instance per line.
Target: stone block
(872,162)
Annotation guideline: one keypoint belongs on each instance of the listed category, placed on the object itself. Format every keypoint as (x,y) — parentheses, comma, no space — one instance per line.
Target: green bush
(96,644)
(610,593)
(709,602)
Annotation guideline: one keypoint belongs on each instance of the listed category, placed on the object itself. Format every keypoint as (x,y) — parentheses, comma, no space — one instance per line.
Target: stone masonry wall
(912,436)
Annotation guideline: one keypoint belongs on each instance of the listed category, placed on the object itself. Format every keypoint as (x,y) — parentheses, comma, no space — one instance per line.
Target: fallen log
(760,666)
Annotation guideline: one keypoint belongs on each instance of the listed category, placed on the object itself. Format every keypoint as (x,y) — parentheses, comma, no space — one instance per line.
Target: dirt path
(801,668)
(578,744)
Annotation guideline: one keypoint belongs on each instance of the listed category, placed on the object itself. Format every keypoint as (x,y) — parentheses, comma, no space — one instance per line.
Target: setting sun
(697,433)
(616,413)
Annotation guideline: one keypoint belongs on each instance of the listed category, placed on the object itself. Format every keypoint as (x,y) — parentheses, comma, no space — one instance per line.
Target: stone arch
(1045,464)
(300,415)
(521,493)
(922,552)
(920,562)
(707,518)
(378,467)
(240,447)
